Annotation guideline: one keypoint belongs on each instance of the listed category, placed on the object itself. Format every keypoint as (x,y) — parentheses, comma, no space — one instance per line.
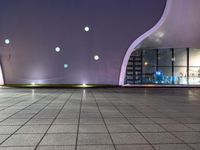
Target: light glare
(65,66)
(57,49)
(7,41)
(96,57)
(87,29)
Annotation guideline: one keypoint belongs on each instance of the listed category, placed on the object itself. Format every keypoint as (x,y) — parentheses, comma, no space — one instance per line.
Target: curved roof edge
(135,44)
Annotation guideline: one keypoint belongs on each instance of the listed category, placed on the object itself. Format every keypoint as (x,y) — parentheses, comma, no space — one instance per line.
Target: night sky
(36,27)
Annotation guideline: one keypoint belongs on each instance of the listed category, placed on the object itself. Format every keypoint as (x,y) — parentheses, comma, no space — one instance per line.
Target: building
(93,42)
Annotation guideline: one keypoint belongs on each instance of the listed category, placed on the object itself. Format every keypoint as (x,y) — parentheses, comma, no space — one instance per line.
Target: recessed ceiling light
(57,49)
(87,29)
(66,66)
(7,41)
(146,63)
(96,57)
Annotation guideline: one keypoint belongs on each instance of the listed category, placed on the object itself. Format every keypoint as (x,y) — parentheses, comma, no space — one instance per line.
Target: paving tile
(195,146)
(22,116)
(8,129)
(63,129)
(3,137)
(189,137)
(92,139)
(156,138)
(172,147)
(134,147)
(121,128)
(56,148)
(195,127)
(92,129)
(33,129)
(176,127)
(96,147)
(165,121)
(116,121)
(149,128)
(39,121)
(17,148)
(15,122)
(65,121)
(91,121)
(59,139)
(68,115)
(131,102)
(128,138)
(23,140)
(141,121)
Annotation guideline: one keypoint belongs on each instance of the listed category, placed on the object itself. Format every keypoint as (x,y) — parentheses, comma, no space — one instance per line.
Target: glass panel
(164,75)
(164,58)
(148,74)
(194,75)
(149,57)
(180,75)
(194,57)
(180,57)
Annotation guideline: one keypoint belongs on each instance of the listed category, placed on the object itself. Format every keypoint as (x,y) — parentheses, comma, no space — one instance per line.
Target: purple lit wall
(36,27)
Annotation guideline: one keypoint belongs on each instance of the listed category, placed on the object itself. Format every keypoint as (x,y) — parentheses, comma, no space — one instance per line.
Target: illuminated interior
(164,66)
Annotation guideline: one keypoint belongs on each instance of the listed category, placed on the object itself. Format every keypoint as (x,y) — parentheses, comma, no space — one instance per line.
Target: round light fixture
(87,29)
(66,66)
(57,49)
(146,63)
(7,41)
(96,57)
(33,83)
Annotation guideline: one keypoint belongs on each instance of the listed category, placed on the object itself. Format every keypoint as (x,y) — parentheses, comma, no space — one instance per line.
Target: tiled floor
(100,119)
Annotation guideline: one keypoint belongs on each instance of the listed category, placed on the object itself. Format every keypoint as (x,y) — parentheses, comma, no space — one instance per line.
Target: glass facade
(164,66)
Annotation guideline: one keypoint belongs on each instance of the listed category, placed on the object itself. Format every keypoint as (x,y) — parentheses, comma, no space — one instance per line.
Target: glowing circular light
(146,63)
(87,29)
(57,49)
(96,57)
(33,83)
(66,66)
(7,41)
(83,84)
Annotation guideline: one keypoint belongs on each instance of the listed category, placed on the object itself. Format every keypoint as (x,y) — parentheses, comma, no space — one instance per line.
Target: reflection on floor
(100,119)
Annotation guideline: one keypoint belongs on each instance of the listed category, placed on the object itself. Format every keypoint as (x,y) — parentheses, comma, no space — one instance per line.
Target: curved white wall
(139,40)
(178,28)
(1,76)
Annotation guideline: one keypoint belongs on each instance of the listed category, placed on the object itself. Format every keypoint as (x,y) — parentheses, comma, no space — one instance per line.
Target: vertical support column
(157,59)
(1,76)
(141,76)
(188,65)
(173,59)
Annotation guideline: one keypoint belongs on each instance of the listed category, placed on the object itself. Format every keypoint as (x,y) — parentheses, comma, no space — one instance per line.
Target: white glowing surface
(7,41)
(57,49)
(1,76)
(66,66)
(87,29)
(96,57)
